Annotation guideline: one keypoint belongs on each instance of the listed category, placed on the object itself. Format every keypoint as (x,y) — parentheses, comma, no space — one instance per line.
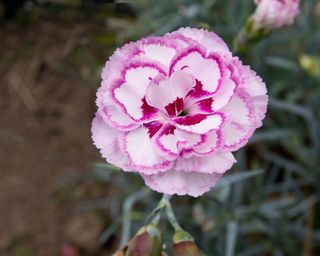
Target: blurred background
(58,197)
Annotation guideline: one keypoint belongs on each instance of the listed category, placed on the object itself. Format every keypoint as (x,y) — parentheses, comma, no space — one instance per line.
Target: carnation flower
(273,14)
(174,108)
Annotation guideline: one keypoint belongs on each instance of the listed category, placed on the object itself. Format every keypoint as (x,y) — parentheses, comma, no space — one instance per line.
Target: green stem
(155,215)
(172,217)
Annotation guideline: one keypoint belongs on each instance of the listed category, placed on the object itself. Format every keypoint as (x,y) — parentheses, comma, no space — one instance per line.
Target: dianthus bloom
(174,108)
(273,14)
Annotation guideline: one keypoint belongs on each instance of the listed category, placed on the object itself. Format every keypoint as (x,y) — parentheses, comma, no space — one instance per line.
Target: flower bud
(184,245)
(274,14)
(147,242)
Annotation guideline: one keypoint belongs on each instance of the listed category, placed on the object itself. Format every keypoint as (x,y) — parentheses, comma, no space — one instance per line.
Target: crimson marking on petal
(169,130)
(206,105)
(200,123)
(197,91)
(148,110)
(153,127)
(190,120)
(171,109)
(174,108)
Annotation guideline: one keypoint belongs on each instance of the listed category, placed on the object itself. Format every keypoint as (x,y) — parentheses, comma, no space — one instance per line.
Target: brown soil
(46,113)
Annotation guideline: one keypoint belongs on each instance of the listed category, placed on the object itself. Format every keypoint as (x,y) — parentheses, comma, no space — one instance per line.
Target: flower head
(174,108)
(273,14)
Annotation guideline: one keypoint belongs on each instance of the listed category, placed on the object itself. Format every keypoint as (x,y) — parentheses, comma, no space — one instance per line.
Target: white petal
(142,154)
(182,183)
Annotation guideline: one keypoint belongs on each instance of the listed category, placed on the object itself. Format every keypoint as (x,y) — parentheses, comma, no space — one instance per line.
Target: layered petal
(130,91)
(167,140)
(211,143)
(159,49)
(182,183)
(216,101)
(239,122)
(141,152)
(256,88)
(106,139)
(181,40)
(113,115)
(216,163)
(208,71)
(212,42)
(199,123)
(114,66)
(170,141)
(112,70)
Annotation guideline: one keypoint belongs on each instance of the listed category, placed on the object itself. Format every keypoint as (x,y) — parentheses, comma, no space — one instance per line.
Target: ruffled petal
(167,140)
(168,94)
(142,154)
(182,183)
(105,138)
(199,123)
(235,136)
(159,49)
(216,102)
(114,115)
(211,143)
(112,70)
(129,92)
(217,163)
(114,66)
(206,70)
(239,123)
(257,91)
(170,141)
(181,40)
(224,94)
(212,42)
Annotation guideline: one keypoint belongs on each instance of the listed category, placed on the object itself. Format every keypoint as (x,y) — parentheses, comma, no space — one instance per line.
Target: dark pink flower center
(175,108)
